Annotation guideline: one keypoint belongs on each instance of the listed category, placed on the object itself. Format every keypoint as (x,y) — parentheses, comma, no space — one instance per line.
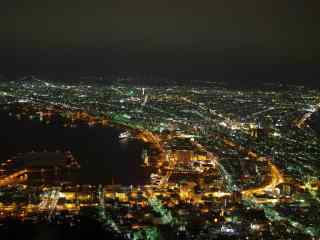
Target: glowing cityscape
(213,162)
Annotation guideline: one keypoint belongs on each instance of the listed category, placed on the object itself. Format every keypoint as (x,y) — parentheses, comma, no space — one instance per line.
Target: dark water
(103,159)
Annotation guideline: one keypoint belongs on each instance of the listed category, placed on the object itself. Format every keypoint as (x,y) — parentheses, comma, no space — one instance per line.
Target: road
(14,178)
(306,116)
(276,178)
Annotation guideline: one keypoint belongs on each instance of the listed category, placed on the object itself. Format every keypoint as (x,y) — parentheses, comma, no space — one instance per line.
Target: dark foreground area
(87,228)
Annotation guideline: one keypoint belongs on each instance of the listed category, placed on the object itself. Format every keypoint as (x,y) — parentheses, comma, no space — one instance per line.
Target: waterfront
(103,158)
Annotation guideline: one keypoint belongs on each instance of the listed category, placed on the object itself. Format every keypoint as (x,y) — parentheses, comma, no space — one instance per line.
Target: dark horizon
(77,66)
(221,40)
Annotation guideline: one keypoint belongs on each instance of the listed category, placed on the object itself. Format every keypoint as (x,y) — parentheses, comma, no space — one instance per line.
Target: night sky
(222,39)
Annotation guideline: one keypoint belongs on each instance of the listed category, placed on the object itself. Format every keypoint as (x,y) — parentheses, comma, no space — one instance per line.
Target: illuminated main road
(14,178)
(301,123)
(276,178)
